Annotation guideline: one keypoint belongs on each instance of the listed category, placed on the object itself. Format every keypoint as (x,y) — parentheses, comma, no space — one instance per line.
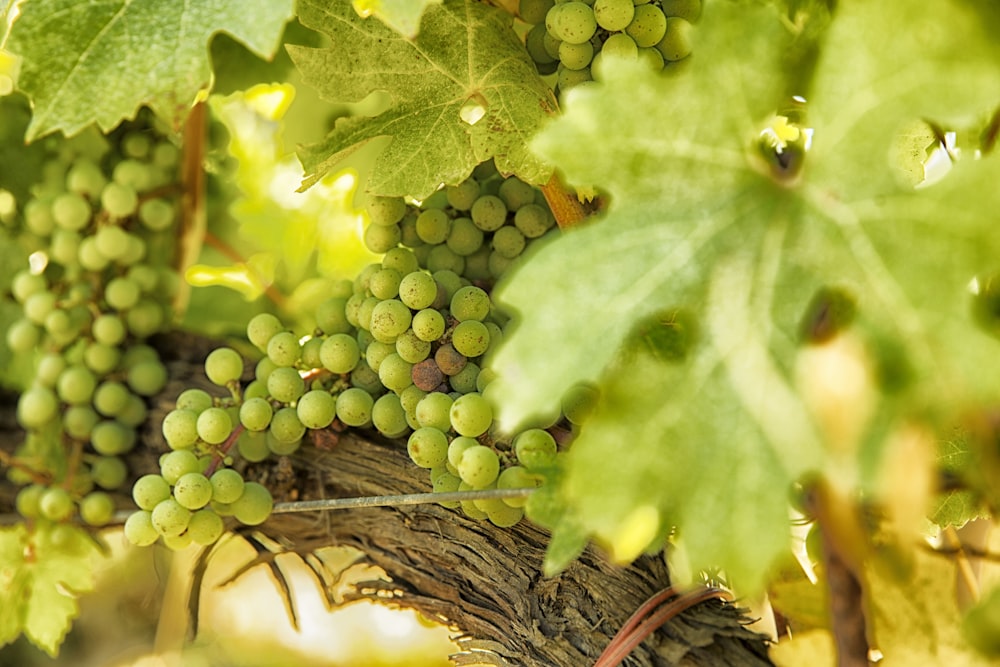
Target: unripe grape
(139,529)
(285,384)
(28,501)
(470,338)
(256,413)
(205,527)
(112,438)
(193,490)
(340,353)
(109,472)
(316,409)
(434,411)
(214,425)
(97,508)
(227,485)
(196,400)
(36,407)
(223,365)
(535,448)
(55,504)
(284,349)
(170,518)
(471,415)
(147,378)
(76,385)
(354,407)
(254,506)
(177,463)
(428,447)
(286,427)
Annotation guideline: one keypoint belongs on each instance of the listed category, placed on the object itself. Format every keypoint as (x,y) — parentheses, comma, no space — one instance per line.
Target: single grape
(79,421)
(28,501)
(97,508)
(434,410)
(533,220)
(65,247)
(471,415)
(648,26)
(457,448)
(111,438)
(395,373)
(433,226)
(263,369)
(223,365)
(254,506)
(177,542)
(479,466)
(37,407)
(489,213)
(205,527)
(38,306)
(470,303)
(418,290)
(389,319)
(108,472)
(442,258)
(447,483)
(411,348)
(55,504)
(170,518)
(255,389)
(100,358)
(331,316)
(255,414)
(147,378)
(363,377)
(193,490)
(428,325)
(449,360)
(579,402)
(385,211)
(465,238)
(139,529)
(227,485)
(576,56)
(676,42)
(379,239)
(214,425)
(76,385)
(285,384)
(508,242)
(122,293)
(108,329)
(428,447)
(385,284)
(316,409)
(340,353)
(261,328)
(196,400)
(252,446)
(464,382)
(506,516)
(157,214)
(533,11)
(535,448)
(176,463)
(354,407)
(23,336)
(573,23)
(614,15)
(470,338)
(389,417)
(71,211)
(426,375)
(282,447)
(284,349)
(111,398)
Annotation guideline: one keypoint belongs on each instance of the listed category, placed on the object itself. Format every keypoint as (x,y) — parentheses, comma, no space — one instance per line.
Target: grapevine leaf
(462,92)
(699,221)
(99,61)
(41,574)
(403,16)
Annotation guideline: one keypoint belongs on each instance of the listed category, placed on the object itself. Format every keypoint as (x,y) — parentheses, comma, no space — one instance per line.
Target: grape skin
(316,409)
(254,506)
(223,365)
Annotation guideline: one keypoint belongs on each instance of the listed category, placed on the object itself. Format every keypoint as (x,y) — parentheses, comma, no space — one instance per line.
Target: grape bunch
(569,38)
(100,226)
(401,349)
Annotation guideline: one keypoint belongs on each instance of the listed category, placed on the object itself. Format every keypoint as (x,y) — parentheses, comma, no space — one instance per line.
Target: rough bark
(482,580)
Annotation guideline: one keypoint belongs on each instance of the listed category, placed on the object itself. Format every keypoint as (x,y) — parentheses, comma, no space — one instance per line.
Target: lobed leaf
(403,16)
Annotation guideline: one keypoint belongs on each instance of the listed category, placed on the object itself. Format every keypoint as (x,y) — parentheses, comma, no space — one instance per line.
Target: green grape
(108,329)
(509,242)
(112,241)
(676,42)
(28,501)
(462,196)
(410,348)
(284,349)
(489,213)
(145,276)
(409,399)
(340,353)
(354,407)
(55,504)
(90,257)
(261,328)
(385,211)
(533,11)
(489,505)
(400,259)
(111,438)
(254,506)
(506,516)
(363,377)
(449,281)
(457,448)
(576,56)
(134,252)
(205,527)
(64,247)
(147,378)
(395,373)
(316,409)
(389,417)
(256,389)
(380,239)
(471,415)
(177,542)
(449,360)
(428,325)
(263,369)
(465,238)
(464,382)
(108,472)
(176,463)
(331,316)
(688,10)
(214,425)
(37,407)
(479,466)
(252,446)
(170,518)
(285,384)
(145,318)
(122,293)
(283,448)
(157,215)
(111,398)
(470,338)
(97,508)
(227,485)
(516,194)
(446,483)
(81,483)
(516,477)
(363,279)
(256,413)
(25,283)
(166,155)
(132,174)
(385,284)
(428,447)
(71,211)
(365,312)
(408,232)
(23,336)
(85,178)
(38,218)
(48,369)
(196,400)
(223,365)
(470,303)
(574,23)
(389,319)
(433,226)
(310,353)
(477,266)
(101,359)
(535,448)
(38,306)
(134,413)
(483,379)
(648,26)
(193,490)
(139,353)
(139,529)
(614,15)
(533,220)
(620,45)
(76,385)
(79,421)
(417,290)
(58,323)
(579,402)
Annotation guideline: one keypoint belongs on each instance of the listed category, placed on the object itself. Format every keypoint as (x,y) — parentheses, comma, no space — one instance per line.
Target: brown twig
(193,221)
(567,209)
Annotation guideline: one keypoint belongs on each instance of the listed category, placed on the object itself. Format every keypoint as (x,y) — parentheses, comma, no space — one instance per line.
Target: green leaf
(41,574)
(99,61)
(700,220)
(403,16)
(466,60)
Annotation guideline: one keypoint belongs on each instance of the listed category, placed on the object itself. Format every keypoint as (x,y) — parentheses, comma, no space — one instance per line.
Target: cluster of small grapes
(97,285)
(568,38)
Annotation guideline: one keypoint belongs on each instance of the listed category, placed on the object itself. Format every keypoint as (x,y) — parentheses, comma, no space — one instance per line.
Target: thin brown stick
(567,209)
(191,234)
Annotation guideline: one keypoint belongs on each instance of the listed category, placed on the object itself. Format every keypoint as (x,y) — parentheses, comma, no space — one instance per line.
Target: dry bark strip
(482,580)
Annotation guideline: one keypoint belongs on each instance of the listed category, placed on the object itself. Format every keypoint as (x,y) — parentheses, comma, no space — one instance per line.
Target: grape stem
(566,207)
(213,465)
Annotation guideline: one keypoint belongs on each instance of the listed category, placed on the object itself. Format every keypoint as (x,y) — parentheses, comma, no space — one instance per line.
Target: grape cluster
(568,38)
(99,226)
